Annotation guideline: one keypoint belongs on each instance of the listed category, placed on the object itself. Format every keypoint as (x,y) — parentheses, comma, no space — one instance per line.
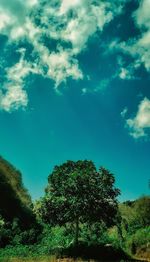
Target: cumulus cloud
(69,23)
(13,14)
(141,122)
(142,14)
(87,20)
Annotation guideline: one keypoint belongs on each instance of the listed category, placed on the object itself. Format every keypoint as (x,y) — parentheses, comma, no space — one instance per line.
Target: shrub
(140,238)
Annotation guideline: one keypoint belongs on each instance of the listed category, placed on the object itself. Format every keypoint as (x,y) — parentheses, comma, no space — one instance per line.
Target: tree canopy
(78,193)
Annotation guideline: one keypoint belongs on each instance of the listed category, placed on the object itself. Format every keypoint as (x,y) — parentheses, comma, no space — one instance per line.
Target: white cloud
(66,5)
(14,98)
(140,50)
(142,14)
(125,74)
(31,3)
(19,71)
(61,65)
(87,20)
(141,122)
(70,23)
(139,47)
(13,14)
(4,21)
(14,95)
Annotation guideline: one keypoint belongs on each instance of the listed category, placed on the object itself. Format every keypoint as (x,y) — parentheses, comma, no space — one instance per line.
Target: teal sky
(75,84)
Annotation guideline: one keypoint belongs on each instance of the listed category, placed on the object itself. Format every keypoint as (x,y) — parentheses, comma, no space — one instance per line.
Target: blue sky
(75,85)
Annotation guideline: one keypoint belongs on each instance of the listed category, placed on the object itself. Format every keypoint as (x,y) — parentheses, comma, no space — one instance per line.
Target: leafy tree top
(77,191)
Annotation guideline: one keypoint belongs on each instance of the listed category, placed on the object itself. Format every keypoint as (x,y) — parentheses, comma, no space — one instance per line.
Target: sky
(75,85)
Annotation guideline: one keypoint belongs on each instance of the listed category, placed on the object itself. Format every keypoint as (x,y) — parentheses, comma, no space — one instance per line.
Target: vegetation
(78,194)
(135,226)
(78,216)
(17,220)
(15,200)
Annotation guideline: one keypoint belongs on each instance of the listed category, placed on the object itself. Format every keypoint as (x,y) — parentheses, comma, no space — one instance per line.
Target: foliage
(135,224)
(114,237)
(140,238)
(12,234)
(18,251)
(135,214)
(15,200)
(18,223)
(55,238)
(142,210)
(128,219)
(80,203)
(14,178)
(77,193)
(94,234)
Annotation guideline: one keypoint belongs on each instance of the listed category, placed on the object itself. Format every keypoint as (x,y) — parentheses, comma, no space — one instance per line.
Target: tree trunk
(76,231)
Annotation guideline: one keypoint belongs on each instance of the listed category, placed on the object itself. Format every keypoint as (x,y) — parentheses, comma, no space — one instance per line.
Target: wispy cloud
(14,95)
(124,112)
(137,47)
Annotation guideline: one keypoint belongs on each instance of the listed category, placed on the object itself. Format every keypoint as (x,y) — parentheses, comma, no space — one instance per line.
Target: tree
(77,193)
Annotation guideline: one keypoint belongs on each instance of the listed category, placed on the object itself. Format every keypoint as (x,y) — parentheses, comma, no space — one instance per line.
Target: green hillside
(15,202)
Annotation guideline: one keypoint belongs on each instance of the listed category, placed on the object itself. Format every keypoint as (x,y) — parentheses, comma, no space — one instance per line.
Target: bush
(56,238)
(18,251)
(11,234)
(94,234)
(135,241)
(114,237)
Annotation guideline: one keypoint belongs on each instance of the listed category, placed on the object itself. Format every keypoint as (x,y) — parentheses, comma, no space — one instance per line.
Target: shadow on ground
(98,252)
